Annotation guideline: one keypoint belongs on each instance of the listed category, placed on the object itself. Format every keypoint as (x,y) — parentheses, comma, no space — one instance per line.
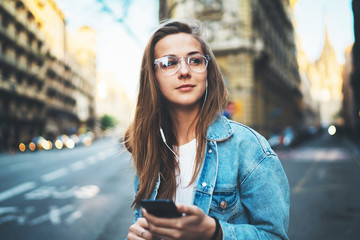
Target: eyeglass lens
(171,64)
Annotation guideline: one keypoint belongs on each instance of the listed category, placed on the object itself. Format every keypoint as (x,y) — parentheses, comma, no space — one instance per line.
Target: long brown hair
(150,155)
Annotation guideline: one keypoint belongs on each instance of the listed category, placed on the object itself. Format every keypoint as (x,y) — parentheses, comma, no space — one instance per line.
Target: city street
(85,193)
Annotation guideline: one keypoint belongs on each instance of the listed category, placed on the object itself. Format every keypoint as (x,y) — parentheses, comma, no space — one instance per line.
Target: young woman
(225,179)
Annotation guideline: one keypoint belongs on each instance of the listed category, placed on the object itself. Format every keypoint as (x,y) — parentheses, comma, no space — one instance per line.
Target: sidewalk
(355,150)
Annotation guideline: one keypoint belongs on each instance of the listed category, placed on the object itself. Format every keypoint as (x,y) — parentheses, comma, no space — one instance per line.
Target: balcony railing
(22,18)
(5,85)
(9,6)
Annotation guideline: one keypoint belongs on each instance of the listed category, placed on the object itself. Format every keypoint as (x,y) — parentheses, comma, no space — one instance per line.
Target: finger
(133,236)
(189,210)
(159,222)
(163,233)
(143,223)
(139,231)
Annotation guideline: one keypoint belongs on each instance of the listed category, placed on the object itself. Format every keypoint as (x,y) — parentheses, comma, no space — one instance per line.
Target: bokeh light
(32,146)
(22,147)
(332,130)
(59,144)
(70,143)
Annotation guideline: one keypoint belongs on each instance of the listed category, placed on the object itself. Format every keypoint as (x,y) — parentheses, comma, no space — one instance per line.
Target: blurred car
(275,140)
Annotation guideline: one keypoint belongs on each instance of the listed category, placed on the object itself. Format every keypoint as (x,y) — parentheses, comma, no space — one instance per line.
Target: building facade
(355,76)
(348,113)
(39,78)
(325,75)
(254,44)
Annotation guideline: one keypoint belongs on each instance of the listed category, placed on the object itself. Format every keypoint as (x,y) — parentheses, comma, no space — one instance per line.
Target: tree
(107,122)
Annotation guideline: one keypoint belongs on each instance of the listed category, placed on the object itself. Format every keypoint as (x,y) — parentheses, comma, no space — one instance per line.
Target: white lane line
(19,189)
(54,215)
(101,156)
(5,210)
(54,175)
(73,217)
(78,165)
(91,160)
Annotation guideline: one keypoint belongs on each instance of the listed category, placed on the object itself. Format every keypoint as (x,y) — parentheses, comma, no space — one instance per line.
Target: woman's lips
(186,87)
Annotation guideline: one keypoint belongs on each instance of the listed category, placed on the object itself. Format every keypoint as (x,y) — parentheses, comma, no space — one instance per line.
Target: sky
(122,35)
(311,17)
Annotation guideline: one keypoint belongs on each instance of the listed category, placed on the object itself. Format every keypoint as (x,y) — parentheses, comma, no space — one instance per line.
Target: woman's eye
(195,60)
(169,63)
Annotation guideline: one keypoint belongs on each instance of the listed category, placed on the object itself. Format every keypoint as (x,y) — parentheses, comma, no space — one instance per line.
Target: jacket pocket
(225,200)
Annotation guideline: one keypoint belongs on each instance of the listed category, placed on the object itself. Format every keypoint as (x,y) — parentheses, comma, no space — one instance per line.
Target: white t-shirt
(187,154)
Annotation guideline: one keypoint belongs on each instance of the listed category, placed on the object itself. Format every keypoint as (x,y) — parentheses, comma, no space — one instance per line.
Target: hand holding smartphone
(163,208)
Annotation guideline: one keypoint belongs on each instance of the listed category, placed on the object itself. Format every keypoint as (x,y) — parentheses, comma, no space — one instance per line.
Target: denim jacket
(241,183)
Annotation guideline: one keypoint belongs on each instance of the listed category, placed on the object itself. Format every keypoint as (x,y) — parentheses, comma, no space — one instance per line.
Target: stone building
(310,105)
(39,78)
(348,113)
(325,75)
(254,44)
(355,76)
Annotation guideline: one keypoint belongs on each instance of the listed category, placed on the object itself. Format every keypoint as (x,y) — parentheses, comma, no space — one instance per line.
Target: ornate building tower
(326,79)
(253,41)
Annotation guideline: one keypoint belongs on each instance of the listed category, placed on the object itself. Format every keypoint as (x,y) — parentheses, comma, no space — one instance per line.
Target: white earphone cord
(164,140)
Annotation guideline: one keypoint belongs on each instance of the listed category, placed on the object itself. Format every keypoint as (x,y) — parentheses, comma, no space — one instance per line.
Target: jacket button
(210,151)
(204,184)
(223,205)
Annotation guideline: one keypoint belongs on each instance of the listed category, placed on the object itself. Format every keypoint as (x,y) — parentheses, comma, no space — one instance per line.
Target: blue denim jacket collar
(219,130)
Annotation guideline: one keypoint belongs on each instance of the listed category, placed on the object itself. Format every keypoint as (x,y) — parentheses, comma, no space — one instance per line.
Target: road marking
(78,166)
(54,175)
(19,189)
(54,215)
(308,173)
(4,210)
(91,160)
(101,156)
(73,217)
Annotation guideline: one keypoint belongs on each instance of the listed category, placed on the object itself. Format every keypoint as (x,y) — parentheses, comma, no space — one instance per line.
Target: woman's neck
(184,121)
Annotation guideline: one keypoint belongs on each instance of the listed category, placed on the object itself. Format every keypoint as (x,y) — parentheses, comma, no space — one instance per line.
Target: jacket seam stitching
(253,169)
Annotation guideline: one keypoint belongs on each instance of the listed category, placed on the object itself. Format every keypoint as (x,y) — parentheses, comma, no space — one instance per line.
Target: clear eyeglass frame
(170,65)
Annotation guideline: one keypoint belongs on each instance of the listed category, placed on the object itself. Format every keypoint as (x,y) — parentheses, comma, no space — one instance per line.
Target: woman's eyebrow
(193,52)
(174,55)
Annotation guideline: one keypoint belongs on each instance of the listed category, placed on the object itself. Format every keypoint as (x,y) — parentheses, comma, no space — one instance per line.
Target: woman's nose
(184,68)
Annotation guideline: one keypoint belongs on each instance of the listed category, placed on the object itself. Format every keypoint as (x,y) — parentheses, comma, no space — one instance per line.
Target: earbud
(162,135)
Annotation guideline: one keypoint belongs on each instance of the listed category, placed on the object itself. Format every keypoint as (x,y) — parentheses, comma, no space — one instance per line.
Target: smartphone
(163,208)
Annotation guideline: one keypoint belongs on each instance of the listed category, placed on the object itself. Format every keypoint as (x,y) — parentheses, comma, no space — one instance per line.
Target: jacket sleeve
(265,195)
(137,211)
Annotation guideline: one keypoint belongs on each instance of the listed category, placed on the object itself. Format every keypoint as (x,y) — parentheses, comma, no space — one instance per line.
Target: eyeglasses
(171,64)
